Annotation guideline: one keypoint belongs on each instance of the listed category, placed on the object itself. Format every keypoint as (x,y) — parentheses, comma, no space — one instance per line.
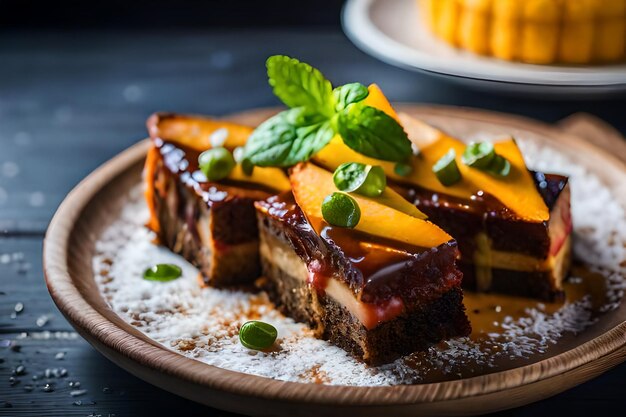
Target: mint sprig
(300,85)
(373,133)
(348,94)
(318,113)
(287,138)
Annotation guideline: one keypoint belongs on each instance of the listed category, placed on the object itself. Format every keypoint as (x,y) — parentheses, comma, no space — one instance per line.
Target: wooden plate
(95,202)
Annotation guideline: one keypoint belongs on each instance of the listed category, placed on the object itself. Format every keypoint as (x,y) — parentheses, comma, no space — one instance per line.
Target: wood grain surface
(71,100)
(69,245)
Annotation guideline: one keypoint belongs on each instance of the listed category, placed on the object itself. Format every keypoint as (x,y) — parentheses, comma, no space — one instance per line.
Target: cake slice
(521,247)
(513,232)
(386,288)
(501,252)
(211,224)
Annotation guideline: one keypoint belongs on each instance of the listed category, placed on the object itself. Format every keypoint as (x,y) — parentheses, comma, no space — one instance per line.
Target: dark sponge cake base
(530,284)
(413,331)
(223,260)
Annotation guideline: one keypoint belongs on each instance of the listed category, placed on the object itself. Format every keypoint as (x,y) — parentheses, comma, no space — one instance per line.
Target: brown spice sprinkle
(200,279)
(257,303)
(232,331)
(315,375)
(184,344)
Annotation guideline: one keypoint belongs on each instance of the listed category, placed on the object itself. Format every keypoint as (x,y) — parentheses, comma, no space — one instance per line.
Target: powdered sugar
(203,323)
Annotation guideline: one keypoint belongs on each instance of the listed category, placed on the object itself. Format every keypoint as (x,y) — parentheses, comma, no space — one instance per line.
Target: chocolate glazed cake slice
(513,231)
(500,251)
(387,288)
(211,224)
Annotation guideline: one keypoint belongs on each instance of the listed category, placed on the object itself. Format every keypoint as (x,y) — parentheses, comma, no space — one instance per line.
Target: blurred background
(167,15)
(77,81)
(81,78)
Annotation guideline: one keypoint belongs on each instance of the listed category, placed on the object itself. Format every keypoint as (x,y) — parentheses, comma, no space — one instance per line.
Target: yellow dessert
(310,184)
(532,31)
(517,191)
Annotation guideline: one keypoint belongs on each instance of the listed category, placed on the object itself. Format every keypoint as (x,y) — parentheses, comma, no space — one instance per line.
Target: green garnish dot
(257,335)
(500,166)
(239,153)
(367,180)
(402,169)
(341,210)
(478,155)
(163,272)
(247,167)
(216,163)
(446,169)
(482,156)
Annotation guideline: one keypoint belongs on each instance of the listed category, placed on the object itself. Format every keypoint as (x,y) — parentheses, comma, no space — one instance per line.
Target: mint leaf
(348,94)
(290,137)
(300,85)
(373,133)
(317,113)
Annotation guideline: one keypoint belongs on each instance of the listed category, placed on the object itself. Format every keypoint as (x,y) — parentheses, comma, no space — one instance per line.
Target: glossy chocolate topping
(465,218)
(183,162)
(482,203)
(375,269)
(226,207)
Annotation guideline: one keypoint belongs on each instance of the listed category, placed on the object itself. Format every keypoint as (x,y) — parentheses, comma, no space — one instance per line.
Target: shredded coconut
(203,323)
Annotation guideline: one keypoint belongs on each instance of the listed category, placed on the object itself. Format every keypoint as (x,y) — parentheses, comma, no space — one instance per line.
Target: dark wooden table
(70,101)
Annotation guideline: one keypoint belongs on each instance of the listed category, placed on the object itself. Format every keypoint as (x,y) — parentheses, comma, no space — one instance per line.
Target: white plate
(392,31)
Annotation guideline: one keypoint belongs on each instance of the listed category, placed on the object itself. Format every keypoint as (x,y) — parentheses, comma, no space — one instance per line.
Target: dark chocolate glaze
(183,162)
(375,269)
(465,218)
(549,186)
(231,205)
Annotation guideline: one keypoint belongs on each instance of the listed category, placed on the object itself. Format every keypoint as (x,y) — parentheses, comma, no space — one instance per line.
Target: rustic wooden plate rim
(121,337)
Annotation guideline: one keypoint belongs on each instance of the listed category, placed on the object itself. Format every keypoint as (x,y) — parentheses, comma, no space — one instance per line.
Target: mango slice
(196,132)
(377,99)
(272,178)
(149,171)
(517,191)
(311,184)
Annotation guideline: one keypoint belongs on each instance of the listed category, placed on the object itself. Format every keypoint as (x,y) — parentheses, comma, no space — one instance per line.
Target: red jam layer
(376,270)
